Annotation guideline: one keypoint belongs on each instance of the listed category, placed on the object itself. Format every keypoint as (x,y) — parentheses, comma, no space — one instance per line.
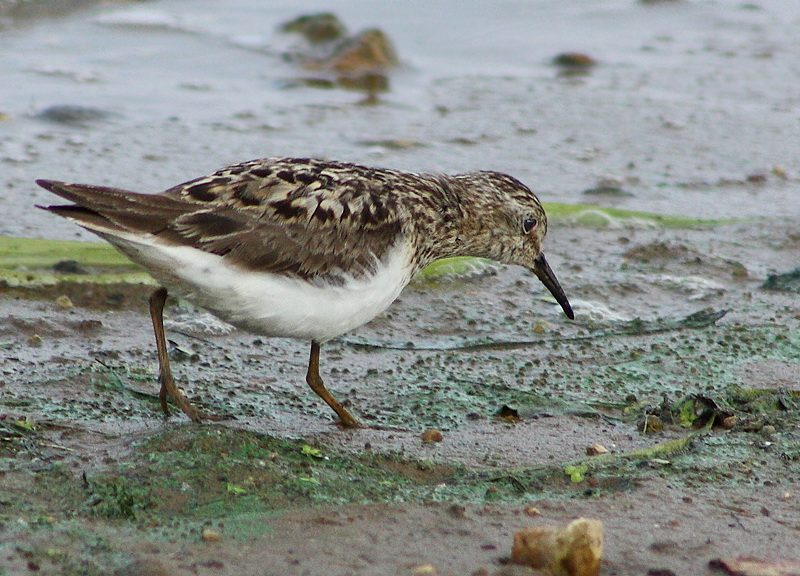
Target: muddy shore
(693,116)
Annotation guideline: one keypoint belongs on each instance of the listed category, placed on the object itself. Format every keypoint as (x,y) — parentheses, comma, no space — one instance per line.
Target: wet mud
(683,362)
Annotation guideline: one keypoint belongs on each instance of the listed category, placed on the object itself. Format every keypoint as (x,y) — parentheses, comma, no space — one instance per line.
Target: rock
(596,450)
(368,51)
(432,436)
(69,267)
(72,115)
(651,424)
(574,550)
(602,190)
(64,303)
(210,535)
(359,62)
(533,511)
(573,64)
(574,60)
(317,28)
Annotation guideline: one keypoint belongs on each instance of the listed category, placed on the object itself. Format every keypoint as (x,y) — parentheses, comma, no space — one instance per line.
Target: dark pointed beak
(542,270)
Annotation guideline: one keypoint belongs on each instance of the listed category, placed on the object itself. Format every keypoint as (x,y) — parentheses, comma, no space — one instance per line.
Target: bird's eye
(528,224)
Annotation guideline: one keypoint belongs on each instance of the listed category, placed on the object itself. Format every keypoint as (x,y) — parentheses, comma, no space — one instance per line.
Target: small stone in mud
(780,172)
(35,341)
(651,424)
(72,115)
(574,60)
(457,511)
(738,270)
(607,191)
(508,413)
(424,570)
(729,422)
(69,267)
(317,28)
(596,450)
(210,535)
(757,178)
(432,436)
(533,511)
(64,303)
(574,550)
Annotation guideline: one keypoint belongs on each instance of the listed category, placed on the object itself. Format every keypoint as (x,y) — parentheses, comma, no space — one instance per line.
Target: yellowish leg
(157,300)
(315,381)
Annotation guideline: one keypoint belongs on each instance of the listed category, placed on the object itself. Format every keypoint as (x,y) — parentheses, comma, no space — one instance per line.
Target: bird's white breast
(272,304)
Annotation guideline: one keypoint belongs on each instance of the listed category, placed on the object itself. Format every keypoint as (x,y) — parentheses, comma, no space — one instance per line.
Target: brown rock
(368,51)
(533,511)
(210,535)
(317,28)
(651,424)
(596,449)
(432,436)
(574,60)
(64,303)
(574,550)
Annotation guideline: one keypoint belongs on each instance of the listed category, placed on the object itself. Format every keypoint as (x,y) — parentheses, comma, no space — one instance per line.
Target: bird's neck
(451,232)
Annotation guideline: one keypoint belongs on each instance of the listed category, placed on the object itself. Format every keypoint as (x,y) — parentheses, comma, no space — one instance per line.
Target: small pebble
(574,60)
(432,436)
(64,303)
(651,425)
(779,171)
(596,449)
(211,535)
(35,340)
(533,511)
(424,570)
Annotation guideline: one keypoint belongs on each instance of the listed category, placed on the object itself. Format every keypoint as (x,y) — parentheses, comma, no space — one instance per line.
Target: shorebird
(305,248)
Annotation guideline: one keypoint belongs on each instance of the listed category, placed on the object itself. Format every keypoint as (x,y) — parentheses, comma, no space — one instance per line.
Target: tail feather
(106,209)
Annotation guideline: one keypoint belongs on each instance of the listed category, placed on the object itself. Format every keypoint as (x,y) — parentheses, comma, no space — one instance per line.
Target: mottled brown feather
(265,215)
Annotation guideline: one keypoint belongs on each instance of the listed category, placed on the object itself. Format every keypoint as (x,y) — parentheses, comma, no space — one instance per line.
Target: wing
(304,217)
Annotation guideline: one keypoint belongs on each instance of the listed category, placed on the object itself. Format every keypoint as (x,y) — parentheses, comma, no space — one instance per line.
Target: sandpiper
(305,248)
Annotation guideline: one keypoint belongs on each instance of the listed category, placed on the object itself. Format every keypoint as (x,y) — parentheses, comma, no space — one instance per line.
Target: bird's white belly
(273,304)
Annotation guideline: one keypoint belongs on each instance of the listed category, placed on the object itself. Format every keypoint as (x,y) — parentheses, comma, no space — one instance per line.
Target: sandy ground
(309,498)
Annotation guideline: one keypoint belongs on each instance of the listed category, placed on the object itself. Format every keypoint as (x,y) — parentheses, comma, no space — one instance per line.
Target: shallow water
(688,101)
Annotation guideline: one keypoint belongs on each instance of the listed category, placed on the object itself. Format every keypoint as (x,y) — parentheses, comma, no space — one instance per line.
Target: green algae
(30,262)
(602,217)
(37,253)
